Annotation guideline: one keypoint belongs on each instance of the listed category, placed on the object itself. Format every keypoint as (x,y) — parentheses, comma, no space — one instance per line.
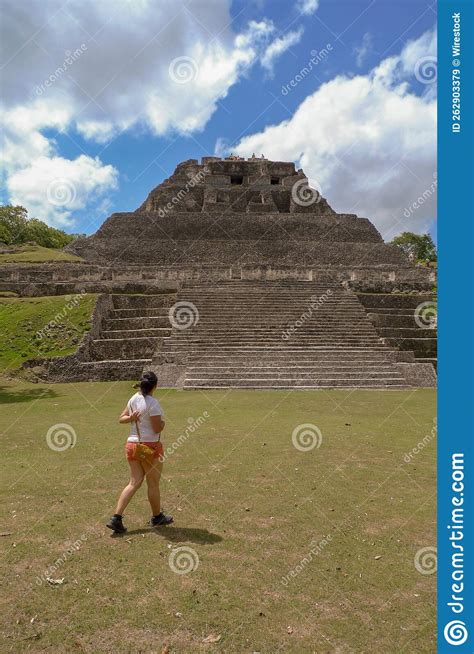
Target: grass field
(35,254)
(42,326)
(290,550)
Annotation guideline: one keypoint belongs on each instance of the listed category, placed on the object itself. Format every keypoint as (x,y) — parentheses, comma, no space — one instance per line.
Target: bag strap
(138,431)
(137,427)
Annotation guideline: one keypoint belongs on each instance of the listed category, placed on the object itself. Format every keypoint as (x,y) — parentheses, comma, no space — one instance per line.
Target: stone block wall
(68,278)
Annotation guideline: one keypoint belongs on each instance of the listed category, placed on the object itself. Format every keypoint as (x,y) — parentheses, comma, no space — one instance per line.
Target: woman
(145,416)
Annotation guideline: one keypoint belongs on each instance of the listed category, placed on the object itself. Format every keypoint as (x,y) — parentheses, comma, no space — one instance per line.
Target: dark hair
(147,383)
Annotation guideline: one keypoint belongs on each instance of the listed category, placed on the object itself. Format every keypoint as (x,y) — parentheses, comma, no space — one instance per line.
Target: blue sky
(115,163)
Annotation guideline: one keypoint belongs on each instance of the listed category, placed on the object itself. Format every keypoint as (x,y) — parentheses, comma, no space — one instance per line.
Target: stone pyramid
(237,212)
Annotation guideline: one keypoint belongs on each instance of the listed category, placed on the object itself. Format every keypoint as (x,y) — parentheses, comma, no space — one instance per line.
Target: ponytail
(147,383)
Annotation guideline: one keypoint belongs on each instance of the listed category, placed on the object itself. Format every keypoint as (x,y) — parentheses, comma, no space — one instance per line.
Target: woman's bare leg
(153,476)
(136,478)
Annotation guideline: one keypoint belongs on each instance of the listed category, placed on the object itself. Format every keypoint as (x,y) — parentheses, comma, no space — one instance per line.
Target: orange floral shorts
(157,448)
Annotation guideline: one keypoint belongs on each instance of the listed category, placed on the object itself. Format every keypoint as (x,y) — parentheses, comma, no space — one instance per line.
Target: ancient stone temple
(237,212)
(236,273)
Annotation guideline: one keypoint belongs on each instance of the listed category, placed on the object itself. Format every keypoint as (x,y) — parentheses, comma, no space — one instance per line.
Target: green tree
(419,248)
(17,228)
(12,224)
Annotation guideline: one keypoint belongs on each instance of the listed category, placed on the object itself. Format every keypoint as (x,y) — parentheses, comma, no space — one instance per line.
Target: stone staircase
(284,334)
(405,321)
(130,330)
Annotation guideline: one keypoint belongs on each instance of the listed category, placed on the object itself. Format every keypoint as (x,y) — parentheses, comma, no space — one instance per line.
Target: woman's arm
(157,423)
(125,417)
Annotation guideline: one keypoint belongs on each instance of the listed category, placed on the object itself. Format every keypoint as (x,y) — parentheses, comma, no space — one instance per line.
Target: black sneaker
(116,525)
(161,519)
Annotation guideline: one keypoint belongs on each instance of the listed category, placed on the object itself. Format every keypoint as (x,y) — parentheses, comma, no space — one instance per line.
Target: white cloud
(53,188)
(363,50)
(104,67)
(307,7)
(417,62)
(368,141)
(278,47)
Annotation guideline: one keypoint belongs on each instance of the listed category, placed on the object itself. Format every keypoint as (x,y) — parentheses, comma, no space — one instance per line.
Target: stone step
(278,333)
(282,318)
(149,322)
(118,362)
(212,361)
(325,290)
(195,343)
(323,295)
(290,367)
(283,358)
(298,313)
(316,297)
(289,307)
(304,365)
(406,332)
(288,374)
(399,300)
(138,313)
(264,284)
(422,346)
(307,328)
(212,301)
(292,384)
(135,333)
(433,361)
(301,352)
(304,289)
(148,301)
(190,335)
(392,320)
(390,311)
(247,364)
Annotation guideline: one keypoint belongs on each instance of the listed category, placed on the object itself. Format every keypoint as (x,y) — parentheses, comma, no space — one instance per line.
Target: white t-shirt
(148,406)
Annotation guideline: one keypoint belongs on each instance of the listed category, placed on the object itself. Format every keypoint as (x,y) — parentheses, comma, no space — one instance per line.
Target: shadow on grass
(178,534)
(10,395)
